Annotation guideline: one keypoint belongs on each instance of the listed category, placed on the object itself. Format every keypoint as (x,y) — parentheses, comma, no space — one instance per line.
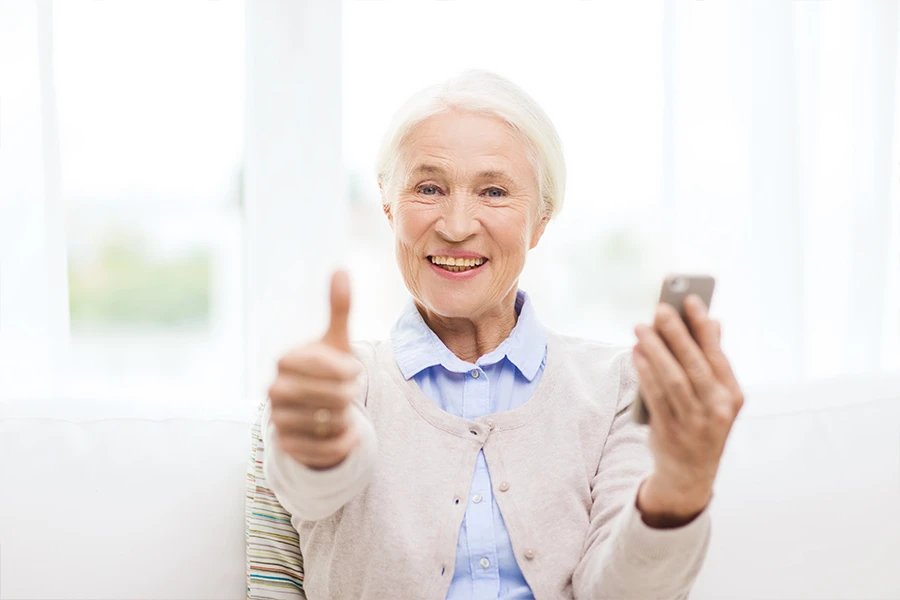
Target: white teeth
(457,264)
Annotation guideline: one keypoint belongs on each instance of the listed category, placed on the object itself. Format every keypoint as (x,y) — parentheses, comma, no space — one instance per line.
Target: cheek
(511,233)
(411,225)
(403,221)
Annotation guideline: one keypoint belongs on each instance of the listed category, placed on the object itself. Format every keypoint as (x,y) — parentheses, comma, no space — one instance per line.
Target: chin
(452,303)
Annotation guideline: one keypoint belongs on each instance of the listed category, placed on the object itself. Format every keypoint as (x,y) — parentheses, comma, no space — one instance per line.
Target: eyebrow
(494,174)
(426,169)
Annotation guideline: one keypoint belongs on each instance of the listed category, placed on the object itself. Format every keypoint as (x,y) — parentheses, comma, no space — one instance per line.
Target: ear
(386,206)
(538,232)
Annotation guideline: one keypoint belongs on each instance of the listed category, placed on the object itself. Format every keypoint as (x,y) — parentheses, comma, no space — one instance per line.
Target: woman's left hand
(693,398)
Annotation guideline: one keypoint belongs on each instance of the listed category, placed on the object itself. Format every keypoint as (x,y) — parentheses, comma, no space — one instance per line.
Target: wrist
(663,505)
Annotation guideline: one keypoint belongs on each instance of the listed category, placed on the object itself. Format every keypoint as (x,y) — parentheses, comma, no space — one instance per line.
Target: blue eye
(495,192)
(428,190)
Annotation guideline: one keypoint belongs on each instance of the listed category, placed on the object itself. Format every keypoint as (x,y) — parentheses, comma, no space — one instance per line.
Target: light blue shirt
(501,380)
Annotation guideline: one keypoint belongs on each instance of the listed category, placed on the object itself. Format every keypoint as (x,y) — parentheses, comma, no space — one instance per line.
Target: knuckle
(314,361)
(649,393)
(700,426)
(279,419)
(296,358)
(277,391)
(711,328)
(289,444)
(349,391)
(696,370)
(638,353)
(722,415)
(285,362)
(349,368)
(331,447)
(678,384)
(665,314)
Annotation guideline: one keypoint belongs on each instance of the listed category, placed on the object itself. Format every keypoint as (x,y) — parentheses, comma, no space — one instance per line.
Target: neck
(471,338)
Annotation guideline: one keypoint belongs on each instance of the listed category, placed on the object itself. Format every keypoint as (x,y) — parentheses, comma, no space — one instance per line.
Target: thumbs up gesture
(314,390)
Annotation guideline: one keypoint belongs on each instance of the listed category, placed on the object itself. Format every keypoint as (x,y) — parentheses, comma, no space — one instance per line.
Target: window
(150,101)
(157,252)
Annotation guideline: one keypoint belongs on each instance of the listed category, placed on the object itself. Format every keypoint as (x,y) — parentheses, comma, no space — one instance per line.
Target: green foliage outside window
(125,285)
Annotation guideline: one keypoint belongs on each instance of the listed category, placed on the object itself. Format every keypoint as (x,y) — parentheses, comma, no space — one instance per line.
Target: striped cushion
(274,562)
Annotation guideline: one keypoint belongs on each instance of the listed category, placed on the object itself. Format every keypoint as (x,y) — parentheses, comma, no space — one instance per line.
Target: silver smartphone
(675,289)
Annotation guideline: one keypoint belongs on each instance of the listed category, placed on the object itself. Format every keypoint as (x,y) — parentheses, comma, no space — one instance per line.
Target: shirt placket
(479,511)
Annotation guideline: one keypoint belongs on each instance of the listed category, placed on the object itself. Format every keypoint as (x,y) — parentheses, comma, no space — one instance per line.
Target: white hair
(486,93)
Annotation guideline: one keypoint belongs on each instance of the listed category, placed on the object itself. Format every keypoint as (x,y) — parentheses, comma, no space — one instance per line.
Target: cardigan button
(529,553)
(504,485)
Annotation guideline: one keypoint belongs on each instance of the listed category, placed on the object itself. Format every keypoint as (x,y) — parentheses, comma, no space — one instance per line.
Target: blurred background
(178,179)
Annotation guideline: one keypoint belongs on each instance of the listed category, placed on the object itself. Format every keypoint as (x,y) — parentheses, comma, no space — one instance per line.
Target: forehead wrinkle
(495,174)
(420,157)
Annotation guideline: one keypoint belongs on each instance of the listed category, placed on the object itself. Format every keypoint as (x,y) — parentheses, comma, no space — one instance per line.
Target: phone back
(675,289)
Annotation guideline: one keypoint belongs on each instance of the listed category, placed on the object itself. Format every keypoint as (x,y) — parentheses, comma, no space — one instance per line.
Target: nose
(458,222)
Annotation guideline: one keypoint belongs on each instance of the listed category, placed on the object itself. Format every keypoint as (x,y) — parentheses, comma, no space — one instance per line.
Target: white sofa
(97,504)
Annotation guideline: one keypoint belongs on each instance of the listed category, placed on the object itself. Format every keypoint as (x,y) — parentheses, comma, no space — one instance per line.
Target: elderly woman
(476,454)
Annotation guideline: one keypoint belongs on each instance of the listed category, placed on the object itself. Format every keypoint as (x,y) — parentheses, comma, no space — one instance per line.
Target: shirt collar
(416,347)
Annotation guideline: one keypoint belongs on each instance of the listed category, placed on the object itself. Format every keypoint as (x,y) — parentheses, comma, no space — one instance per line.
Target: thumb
(336,336)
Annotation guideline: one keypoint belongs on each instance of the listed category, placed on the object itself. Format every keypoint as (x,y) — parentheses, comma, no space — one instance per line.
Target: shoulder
(599,365)
(587,352)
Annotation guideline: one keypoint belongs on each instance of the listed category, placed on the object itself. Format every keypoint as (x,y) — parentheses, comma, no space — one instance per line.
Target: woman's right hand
(313,394)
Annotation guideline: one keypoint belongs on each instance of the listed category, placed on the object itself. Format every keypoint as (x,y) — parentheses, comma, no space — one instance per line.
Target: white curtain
(295,206)
(773,126)
(780,176)
(753,139)
(767,155)
(34,317)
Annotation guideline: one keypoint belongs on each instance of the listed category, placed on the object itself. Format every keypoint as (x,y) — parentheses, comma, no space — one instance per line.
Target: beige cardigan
(565,467)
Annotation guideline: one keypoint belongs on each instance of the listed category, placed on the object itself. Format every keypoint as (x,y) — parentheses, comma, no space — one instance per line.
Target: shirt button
(504,485)
(529,553)
(477,498)
(490,424)
(475,373)
(485,563)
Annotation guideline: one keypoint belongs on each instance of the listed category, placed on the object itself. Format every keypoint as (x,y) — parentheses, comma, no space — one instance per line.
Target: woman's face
(464,207)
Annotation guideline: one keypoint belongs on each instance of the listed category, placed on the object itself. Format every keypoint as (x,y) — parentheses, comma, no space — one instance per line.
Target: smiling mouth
(456,265)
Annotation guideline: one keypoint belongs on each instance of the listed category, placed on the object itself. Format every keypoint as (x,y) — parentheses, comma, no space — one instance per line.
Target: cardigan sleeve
(624,557)
(314,494)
